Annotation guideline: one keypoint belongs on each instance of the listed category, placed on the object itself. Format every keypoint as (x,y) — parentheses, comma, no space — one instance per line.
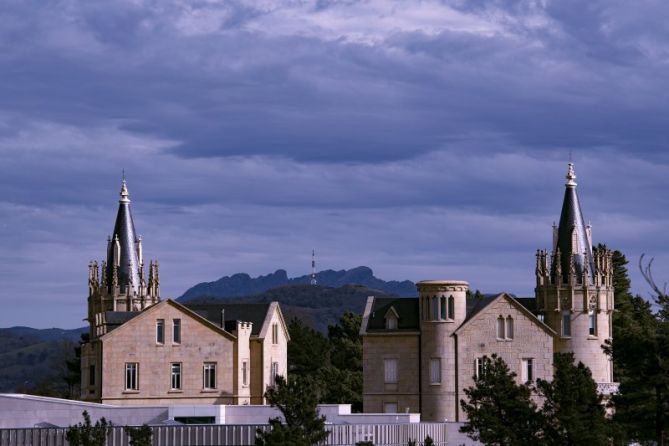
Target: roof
(124,232)
(572,235)
(254,313)
(481,304)
(117,318)
(405,307)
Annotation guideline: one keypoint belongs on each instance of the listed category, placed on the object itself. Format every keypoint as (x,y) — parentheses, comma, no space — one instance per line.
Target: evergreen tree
(343,378)
(88,434)
(308,350)
(500,411)
(297,399)
(572,411)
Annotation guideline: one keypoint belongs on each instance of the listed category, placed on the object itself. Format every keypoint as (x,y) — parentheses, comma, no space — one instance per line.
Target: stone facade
(423,352)
(144,351)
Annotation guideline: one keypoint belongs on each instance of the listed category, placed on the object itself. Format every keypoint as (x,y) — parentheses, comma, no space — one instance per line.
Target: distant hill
(239,285)
(317,306)
(29,356)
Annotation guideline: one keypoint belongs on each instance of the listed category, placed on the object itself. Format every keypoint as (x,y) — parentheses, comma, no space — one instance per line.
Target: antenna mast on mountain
(313,267)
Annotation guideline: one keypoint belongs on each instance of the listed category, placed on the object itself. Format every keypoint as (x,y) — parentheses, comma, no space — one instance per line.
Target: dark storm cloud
(425,139)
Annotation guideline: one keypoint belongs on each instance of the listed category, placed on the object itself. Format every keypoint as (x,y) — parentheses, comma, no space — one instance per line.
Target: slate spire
(573,239)
(122,253)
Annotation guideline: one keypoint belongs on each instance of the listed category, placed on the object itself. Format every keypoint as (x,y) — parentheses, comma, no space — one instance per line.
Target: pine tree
(297,400)
(572,411)
(500,411)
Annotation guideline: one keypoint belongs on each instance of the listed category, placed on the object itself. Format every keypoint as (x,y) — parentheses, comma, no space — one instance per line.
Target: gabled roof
(406,309)
(254,313)
(153,308)
(482,304)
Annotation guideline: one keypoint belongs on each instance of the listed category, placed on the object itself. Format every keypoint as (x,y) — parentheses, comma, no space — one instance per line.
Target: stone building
(146,351)
(419,354)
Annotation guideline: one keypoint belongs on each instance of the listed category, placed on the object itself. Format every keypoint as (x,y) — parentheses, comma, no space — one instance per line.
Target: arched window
(500,327)
(509,328)
(435,308)
(391,322)
(451,307)
(443,307)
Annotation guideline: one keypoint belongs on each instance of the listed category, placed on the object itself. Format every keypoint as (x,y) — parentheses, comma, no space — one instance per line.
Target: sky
(425,139)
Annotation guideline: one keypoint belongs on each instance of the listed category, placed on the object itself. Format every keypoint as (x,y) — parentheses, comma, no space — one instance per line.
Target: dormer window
(391,319)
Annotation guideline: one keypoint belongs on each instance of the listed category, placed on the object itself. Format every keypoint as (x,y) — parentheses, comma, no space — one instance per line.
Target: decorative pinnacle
(124,192)
(571,176)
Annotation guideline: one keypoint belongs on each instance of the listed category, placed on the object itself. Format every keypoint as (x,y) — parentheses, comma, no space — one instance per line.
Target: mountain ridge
(243,285)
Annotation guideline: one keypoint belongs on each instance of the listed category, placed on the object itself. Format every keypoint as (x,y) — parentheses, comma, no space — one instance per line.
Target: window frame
(387,404)
(160,331)
(527,370)
(479,368)
(444,308)
(273,373)
(91,374)
(209,376)
(131,376)
(500,328)
(176,375)
(451,307)
(566,327)
(592,323)
(508,328)
(435,371)
(391,322)
(245,372)
(275,333)
(435,308)
(390,373)
(176,331)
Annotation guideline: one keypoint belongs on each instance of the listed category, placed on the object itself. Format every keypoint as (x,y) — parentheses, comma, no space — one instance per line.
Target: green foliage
(333,364)
(428,441)
(411,443)
(297,399)
(572,413)
(139,436)
(499,410)
(87,434)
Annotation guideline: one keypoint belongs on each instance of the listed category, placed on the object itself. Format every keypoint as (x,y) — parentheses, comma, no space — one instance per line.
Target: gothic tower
(574,289)
(119,284)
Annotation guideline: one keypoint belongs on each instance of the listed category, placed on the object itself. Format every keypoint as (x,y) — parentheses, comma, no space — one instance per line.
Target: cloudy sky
(425,139)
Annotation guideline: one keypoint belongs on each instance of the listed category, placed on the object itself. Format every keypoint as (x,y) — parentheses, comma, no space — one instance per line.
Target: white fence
(238,435)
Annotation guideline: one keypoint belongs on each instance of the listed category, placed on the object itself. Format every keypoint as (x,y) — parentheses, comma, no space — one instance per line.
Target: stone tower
(574,290)
(443,308)
(119,284)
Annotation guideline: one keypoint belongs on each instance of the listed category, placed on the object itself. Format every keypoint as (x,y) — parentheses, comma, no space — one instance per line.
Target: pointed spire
(572,237)
(123,254)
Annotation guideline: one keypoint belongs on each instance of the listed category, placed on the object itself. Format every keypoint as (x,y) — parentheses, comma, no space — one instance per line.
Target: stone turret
(443,308)
(574,289)
(119,284)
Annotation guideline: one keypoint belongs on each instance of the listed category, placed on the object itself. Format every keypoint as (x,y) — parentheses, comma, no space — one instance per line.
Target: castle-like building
(419,354)
(147,351)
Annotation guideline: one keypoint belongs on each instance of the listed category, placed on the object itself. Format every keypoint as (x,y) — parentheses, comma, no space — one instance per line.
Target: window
(176,331)
(389,407)
(209,375)
(391,322)
(176,376)
(275,333)
(479,367)
(443,308)
(527,371)
(541,317)
(435,308)
(274,372)
(435,371)
(500,327)
(245,373)
(131,375)
(160,331)
(451,307)
(91,375)
(390,371)
(566,324)
(509,328)
(592,326)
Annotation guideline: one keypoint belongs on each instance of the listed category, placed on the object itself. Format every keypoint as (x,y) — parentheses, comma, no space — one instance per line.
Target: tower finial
(124,190)
(313,267)
(571,176)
